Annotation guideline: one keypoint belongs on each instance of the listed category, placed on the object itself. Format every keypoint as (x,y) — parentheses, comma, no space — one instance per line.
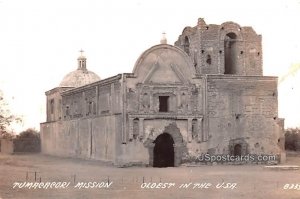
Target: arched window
(186,45)
(230,47)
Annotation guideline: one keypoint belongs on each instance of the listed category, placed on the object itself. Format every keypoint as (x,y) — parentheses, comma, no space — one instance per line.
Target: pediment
(162,72)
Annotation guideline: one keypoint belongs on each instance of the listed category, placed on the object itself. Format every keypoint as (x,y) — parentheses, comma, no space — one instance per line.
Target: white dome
(79,78)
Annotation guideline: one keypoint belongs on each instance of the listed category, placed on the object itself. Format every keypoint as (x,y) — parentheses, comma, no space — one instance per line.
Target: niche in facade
(194,129)
(135,128)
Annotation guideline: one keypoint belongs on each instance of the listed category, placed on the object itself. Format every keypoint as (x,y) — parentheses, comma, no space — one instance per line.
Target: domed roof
(79,77)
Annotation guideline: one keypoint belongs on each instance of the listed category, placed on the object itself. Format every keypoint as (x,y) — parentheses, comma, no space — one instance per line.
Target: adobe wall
(92,138)
(7,146)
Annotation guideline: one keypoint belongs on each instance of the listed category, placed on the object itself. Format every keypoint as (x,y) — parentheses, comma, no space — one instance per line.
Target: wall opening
(52,106)
(163,103)
(208,59)
(163,151)
(135,128)
(186,45)
(194,129)
(230,47)
(237,151)
(90,108)
(67,110)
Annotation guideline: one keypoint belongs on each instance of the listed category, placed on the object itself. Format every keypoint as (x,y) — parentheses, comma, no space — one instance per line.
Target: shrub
(28,141)
(292,139)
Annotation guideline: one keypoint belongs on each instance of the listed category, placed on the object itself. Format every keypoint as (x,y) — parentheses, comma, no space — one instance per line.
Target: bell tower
(226,49)
(81,61)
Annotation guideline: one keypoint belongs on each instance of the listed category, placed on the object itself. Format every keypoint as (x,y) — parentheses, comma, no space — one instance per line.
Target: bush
(28,141)
(292,139)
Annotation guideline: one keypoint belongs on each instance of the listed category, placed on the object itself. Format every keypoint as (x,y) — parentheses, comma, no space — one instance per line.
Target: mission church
(204,94)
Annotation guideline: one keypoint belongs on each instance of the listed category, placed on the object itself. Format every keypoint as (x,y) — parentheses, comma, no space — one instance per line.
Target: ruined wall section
(243,111)
(222,49)
(254,54)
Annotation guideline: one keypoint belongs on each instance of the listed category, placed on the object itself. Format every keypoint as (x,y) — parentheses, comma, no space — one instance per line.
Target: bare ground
(253,181)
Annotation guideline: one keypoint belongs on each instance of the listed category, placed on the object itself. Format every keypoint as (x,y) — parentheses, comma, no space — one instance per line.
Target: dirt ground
(246,181)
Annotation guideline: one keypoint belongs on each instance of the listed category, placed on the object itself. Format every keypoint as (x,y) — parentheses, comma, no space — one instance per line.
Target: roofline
(97,83)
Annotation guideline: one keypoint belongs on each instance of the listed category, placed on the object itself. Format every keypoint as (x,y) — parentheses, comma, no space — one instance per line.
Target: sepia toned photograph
(149,99)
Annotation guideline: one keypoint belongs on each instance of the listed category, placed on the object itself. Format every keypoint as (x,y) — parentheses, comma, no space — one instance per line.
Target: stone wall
(243,110)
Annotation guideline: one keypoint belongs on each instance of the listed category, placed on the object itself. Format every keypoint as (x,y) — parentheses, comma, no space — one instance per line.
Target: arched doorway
(230,47)
(237,151)
(163,152)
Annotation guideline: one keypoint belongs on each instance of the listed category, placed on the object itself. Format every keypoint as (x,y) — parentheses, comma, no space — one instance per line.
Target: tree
(6,118)
(29,133)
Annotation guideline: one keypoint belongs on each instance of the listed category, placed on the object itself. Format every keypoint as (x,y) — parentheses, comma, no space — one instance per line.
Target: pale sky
(40,42)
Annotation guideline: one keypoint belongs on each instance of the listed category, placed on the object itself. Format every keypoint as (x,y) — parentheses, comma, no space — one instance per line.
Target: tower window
(230,53)
(163,103)
(187,45)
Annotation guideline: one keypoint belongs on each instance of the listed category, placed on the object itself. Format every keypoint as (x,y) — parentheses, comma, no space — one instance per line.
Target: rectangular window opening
(163,103)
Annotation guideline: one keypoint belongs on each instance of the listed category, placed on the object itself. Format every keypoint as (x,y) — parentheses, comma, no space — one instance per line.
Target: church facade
(204,95)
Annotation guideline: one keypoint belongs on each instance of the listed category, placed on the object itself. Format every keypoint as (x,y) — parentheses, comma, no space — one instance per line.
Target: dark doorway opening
(163,103)
(163,151)
(237,151)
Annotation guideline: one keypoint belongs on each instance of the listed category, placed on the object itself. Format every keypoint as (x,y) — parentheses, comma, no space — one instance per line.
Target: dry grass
(252,181)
